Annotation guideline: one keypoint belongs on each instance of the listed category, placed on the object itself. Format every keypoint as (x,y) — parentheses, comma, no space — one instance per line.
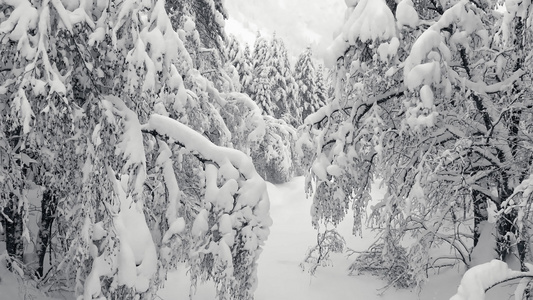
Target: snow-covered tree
(103,108)
(321,87)
(261,86)
(208,16)
(274,90)
(433,98)
(274,157)
(207,42)
(245,74)
(240,60)
(310,97)
(284,88)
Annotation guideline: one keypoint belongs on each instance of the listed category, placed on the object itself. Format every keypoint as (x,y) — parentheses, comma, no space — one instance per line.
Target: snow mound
(479,279)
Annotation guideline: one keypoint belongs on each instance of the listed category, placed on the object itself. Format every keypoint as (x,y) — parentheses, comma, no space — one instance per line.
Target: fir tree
(246,75)
(321,89)
(305,76)
(262,84)
(240,60)
(287,87)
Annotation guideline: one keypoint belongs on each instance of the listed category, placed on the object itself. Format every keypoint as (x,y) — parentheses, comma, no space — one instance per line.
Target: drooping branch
(525,275)
(325,112)
(204,150)
(167,139)
(480,279)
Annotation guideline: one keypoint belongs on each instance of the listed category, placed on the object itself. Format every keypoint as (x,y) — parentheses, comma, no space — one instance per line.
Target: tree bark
(480,213)
(48,211)
(506,226)
(13,217)
(14,225)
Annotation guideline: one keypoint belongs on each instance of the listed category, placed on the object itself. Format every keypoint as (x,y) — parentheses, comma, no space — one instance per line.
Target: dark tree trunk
(506,226)
(13,216)
(14,225)
(48,211)
(480,213)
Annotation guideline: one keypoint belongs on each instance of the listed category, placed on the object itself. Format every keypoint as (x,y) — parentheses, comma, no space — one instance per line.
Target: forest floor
(279,272)
(291,235)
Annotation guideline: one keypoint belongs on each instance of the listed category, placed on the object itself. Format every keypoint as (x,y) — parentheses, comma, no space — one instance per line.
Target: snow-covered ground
(280,275)
(291,235)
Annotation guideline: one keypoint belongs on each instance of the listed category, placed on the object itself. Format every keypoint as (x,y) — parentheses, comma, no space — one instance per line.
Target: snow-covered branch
(240,205)
(328,110)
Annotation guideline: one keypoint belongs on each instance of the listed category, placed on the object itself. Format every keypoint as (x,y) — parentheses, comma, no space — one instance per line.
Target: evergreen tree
(305,76)
(208,16)
(321,89)
(274,89)
(246,74)
(201,22)
(262,85)
(285,88)
(240,60)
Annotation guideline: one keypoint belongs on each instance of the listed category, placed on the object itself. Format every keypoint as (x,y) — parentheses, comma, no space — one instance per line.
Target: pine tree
(292,112)
(273,89)
(262,84)
(246,74)
(321,90)
(284,88)
(240,60)
(305,76)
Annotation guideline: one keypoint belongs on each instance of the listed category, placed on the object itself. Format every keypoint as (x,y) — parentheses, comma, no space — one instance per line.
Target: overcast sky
(299,23)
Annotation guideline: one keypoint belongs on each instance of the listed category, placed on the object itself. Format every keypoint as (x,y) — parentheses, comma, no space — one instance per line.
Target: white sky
(299,23)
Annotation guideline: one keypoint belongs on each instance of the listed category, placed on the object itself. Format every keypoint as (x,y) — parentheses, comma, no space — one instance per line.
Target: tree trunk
(12,212)
(506,226)
(48,211)
(14,225)
(480,213)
